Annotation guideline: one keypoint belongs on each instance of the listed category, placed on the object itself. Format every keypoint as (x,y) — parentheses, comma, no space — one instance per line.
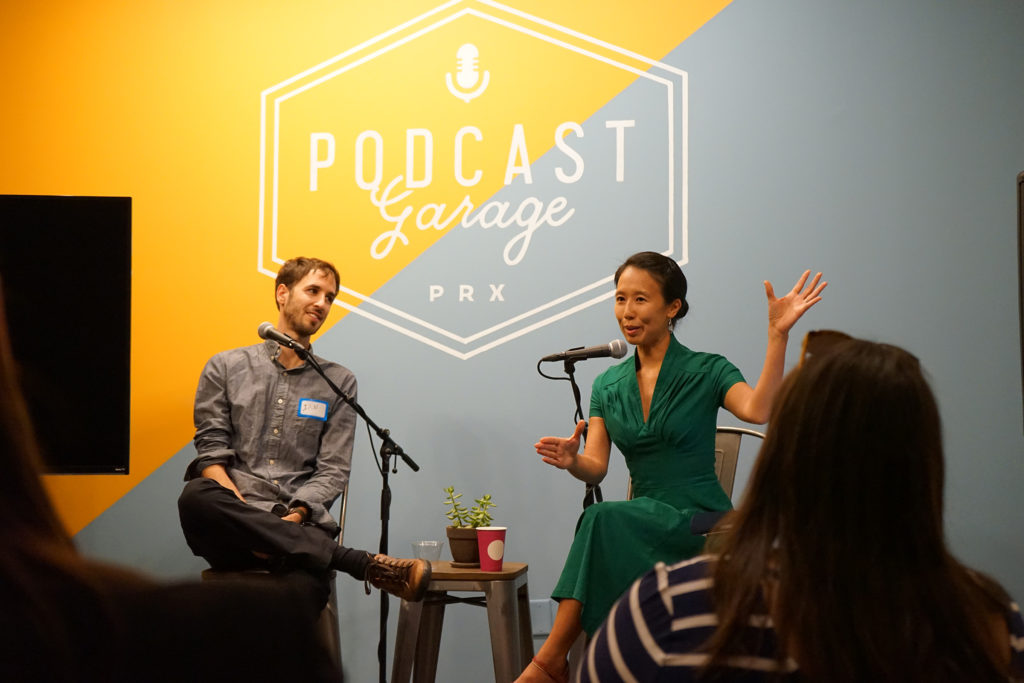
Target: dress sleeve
(724,375)
(596,392)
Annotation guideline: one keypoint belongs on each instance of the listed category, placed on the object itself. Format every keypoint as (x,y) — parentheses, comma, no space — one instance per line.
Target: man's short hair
(297,268)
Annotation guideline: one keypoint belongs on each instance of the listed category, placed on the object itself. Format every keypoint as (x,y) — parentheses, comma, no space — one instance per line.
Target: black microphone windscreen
(264,329)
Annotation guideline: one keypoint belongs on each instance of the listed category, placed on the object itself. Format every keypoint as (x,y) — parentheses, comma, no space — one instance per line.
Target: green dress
(671,459)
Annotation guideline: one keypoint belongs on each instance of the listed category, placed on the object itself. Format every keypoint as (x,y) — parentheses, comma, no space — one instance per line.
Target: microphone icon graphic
(467,74)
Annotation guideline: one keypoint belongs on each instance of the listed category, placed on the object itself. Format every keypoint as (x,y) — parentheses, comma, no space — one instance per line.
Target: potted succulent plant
(463,524)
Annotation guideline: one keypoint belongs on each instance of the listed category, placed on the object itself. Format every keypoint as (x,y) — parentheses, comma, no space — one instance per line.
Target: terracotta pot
(462,542)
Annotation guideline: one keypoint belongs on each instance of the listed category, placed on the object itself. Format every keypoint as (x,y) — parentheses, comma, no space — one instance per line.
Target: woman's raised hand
(783,312)
(561,452)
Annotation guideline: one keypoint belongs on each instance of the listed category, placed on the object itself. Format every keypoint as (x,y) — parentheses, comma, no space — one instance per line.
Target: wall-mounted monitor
(66,269)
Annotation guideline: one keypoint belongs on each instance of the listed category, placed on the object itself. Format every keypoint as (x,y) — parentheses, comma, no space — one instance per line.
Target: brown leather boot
(408,579)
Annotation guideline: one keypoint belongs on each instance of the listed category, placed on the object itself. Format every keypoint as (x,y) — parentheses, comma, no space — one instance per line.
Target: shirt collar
(273,350)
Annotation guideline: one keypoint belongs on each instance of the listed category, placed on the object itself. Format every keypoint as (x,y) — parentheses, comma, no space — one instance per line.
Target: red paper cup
(491,540)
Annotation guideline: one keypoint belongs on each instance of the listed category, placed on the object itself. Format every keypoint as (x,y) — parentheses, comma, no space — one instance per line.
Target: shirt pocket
(307,438)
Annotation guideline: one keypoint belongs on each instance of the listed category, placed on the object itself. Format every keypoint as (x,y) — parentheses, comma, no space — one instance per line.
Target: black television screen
(65,263)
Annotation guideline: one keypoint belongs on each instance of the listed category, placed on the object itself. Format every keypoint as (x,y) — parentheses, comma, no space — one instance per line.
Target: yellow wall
(159,101)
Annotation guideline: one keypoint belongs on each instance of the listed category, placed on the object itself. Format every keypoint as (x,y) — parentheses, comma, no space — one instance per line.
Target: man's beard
(300,327)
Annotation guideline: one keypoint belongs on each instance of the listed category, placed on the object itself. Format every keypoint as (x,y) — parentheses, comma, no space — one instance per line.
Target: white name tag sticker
(311,407)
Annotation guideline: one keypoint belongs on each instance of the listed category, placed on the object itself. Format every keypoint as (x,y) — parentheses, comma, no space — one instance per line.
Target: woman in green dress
(659,408)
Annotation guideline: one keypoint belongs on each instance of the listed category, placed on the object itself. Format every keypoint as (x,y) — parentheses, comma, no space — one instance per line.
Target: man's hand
(220,475)
(297,514)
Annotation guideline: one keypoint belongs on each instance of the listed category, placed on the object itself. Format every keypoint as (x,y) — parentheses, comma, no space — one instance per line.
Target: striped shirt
(656,630)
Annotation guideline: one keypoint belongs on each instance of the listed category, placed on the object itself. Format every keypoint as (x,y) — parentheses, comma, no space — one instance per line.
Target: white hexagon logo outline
(670,77)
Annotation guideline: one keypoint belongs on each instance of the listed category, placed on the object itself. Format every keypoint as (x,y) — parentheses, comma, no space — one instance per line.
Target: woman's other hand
(783,312)
(561,453)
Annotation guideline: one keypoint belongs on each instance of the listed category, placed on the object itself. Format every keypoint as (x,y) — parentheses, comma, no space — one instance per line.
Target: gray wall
(876,141)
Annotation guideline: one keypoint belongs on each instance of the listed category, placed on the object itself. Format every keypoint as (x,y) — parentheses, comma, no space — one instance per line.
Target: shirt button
(276,430)
(271,461)
(280,400)
(276,482)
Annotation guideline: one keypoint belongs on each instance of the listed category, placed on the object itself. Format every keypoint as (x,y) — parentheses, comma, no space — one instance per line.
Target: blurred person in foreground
(835,566)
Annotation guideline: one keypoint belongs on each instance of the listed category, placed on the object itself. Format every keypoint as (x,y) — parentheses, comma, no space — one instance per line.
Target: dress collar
(674,347)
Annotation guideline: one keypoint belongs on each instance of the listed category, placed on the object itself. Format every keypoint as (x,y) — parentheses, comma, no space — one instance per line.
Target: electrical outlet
(542,615)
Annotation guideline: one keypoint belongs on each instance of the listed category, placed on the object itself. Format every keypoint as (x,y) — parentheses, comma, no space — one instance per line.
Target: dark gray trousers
(226,532)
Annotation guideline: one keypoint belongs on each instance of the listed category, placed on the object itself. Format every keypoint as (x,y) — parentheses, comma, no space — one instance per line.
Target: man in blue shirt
(274,445)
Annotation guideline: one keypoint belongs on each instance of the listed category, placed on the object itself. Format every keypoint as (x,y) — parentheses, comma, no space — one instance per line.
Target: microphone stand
(388,448)
(592,492)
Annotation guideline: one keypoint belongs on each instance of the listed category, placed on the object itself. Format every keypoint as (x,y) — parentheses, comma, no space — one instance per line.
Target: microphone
(268,331)
(467,74)
(616,348)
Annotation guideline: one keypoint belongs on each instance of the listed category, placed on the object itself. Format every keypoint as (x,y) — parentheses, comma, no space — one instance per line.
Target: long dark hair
(840,535)
(26,511)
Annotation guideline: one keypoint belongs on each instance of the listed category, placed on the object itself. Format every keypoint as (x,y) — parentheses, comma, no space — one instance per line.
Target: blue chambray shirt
(247,419)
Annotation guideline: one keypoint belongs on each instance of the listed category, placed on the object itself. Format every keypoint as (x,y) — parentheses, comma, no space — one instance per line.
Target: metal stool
(507,599)
(327,624)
